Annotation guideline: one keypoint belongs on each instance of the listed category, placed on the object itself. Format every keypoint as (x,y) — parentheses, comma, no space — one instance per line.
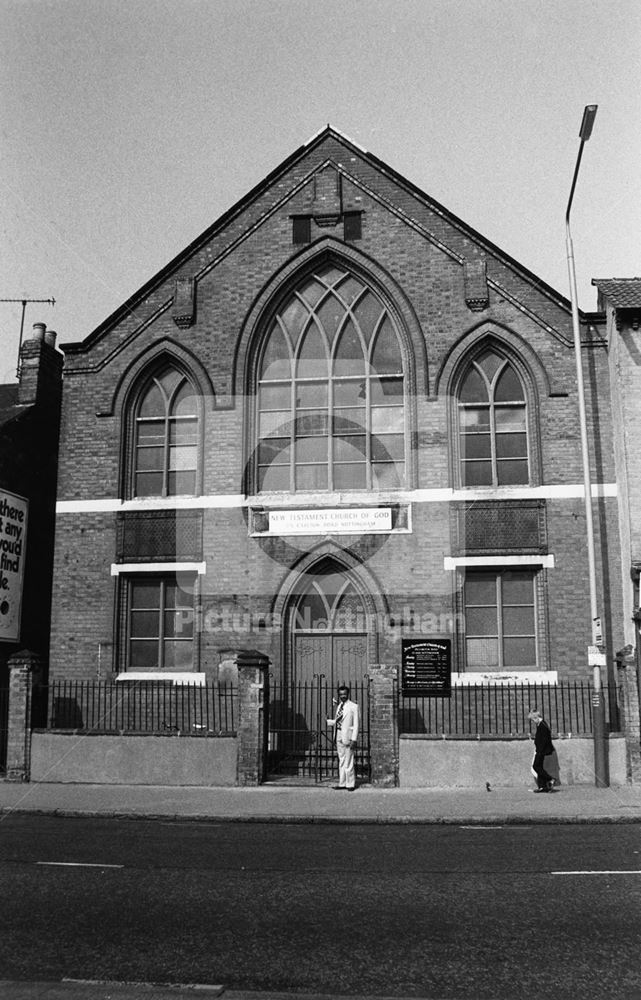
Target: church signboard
(426,666)
(330,521)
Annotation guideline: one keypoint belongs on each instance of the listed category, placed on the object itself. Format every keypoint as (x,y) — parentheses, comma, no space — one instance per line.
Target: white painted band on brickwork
(105,505)
(505,677)
(571,491)
(453,562)
(175,676)
(159,567)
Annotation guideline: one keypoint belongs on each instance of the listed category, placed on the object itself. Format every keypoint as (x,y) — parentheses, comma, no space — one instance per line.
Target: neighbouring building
(619,301)
(29,425)
(338,421)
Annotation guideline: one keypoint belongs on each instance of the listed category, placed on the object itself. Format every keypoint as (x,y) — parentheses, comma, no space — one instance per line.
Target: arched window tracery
(331,390)
(330,603)
(165,436)
(492,423)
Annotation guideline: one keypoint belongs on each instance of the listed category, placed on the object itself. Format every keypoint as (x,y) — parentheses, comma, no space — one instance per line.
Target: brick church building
(338,420)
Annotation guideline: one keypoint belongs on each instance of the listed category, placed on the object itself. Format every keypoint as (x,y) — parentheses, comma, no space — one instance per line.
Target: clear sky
(129,126)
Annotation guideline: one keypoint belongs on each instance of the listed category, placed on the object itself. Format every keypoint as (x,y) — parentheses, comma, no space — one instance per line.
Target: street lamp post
(596,657)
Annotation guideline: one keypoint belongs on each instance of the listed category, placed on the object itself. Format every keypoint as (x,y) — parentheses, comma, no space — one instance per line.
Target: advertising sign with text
(13,547)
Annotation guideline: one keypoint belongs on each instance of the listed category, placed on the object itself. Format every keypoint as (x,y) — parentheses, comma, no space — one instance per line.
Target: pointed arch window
(492,423)
(331,390)
(166,433)
(330,603)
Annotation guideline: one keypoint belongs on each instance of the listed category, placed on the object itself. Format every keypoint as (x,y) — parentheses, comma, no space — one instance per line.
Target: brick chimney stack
(40,368)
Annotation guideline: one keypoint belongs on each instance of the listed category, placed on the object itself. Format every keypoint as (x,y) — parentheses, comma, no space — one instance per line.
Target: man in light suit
(345,724)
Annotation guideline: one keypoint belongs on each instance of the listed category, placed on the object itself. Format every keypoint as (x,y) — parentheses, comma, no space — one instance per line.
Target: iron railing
(502,710)
(142,707)
(297,713)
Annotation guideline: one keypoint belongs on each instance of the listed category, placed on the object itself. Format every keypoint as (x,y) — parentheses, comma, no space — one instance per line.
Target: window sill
(501,677)
(163,677)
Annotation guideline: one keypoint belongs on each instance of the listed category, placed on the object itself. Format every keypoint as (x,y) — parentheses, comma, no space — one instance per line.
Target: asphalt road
(455,913)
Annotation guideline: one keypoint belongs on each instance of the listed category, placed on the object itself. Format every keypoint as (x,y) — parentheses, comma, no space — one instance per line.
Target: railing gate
(300,743)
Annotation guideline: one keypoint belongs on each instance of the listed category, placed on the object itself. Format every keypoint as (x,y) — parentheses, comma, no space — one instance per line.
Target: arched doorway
(328,644)
(329,630)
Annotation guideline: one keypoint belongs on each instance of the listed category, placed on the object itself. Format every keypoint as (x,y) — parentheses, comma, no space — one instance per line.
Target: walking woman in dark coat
(543,747)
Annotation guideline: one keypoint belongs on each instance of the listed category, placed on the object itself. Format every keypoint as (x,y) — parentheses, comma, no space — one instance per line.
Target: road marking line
(610,871)
(77,864)
(201,988)
(481,826)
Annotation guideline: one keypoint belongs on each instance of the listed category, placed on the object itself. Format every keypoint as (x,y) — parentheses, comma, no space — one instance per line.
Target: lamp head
(589,114)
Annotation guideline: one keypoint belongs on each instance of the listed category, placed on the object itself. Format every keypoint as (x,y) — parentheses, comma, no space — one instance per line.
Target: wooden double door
(340,658)
(301,745)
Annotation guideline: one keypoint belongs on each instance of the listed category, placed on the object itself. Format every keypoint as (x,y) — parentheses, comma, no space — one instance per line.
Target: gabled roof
(621,293)
(316,140)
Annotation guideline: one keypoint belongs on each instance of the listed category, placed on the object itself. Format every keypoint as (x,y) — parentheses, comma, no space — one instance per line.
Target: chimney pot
(39,331)
(50,337)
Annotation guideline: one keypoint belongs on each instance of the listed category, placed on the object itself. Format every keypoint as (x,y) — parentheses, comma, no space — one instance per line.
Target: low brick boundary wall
(428,762)
(206,761)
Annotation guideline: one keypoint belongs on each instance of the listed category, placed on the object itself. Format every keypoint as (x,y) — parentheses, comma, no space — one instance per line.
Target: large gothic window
(331,406)
(492,415)
(166,436)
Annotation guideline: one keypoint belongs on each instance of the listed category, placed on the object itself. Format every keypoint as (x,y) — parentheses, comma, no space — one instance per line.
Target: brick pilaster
(253,692)
(383,725)
(24,666)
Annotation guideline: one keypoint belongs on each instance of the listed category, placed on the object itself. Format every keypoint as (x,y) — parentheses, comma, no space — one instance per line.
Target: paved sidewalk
(70,990)
(321,804)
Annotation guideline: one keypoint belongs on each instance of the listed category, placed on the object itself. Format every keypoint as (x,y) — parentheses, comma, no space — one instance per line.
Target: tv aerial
(24,302)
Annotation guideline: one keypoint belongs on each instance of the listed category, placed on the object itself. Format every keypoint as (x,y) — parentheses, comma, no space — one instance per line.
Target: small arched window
(331,393)
(492,423)
(165,460)
(331,603)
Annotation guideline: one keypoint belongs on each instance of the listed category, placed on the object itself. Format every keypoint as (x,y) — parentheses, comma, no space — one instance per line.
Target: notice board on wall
(426,667)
